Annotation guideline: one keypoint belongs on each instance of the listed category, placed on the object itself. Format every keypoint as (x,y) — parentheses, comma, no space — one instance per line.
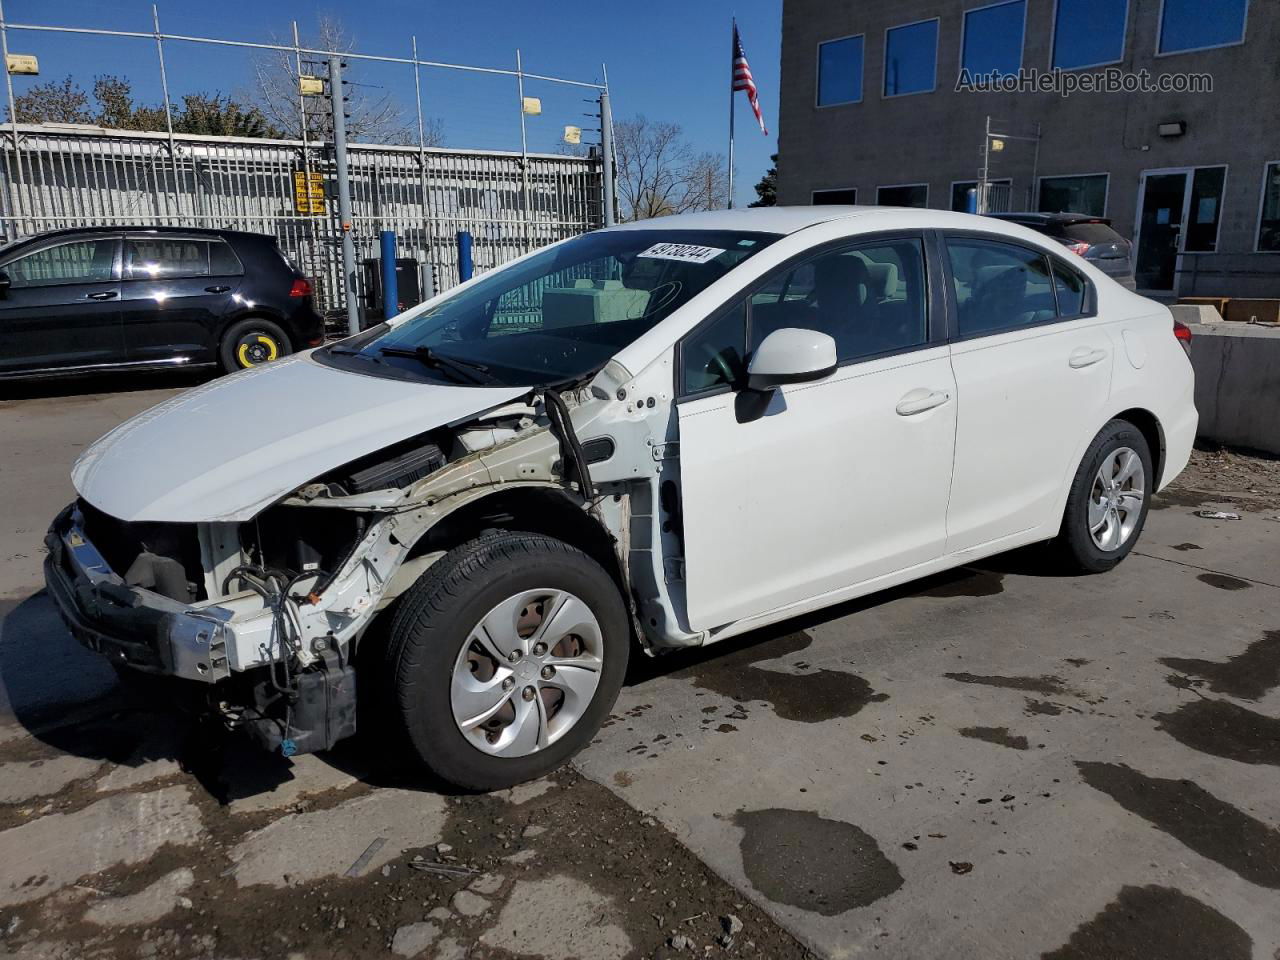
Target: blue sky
(668,60)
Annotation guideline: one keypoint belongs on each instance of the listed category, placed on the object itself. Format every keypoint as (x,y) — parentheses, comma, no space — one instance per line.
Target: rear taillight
(301,288)
(1183,333)
(1079,249)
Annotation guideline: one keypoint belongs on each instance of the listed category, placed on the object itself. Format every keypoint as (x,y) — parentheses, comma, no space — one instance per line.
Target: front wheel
(1109,499)
(505,658)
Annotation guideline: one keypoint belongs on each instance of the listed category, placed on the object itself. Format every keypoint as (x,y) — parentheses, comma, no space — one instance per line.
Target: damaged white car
(662,434)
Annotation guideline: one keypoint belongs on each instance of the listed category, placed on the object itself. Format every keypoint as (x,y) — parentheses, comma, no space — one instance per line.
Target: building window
(1205,211)
(848,195)
(960,196)
(1089,33)
(911,58)
(905,195)
(1200,24)
(993,39)
(1087,194)
(1269,223)
(840,71)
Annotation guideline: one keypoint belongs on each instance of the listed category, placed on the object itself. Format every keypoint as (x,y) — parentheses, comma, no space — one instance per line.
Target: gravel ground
(1219,474)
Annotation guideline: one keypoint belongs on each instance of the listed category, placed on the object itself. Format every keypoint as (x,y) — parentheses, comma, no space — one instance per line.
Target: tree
(660,173)
(54,102)
(371,119)
(200,113)
(767,187)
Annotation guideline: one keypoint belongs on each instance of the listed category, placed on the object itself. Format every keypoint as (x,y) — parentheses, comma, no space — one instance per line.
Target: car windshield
(557,316)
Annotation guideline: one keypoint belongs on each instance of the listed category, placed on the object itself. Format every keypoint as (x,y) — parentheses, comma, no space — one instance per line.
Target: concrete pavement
(992,763)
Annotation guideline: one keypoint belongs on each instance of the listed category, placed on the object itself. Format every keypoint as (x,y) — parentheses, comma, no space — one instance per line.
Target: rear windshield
(1091,233)
(557,316)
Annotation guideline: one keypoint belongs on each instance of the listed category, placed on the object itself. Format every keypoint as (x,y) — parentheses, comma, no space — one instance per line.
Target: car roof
(788,220)
(1057,218)
(139,228)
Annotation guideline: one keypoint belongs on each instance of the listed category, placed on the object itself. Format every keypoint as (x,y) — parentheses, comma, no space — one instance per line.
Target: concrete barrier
(1238,384)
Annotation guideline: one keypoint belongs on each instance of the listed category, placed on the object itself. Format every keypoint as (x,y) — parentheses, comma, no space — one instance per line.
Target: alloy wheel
(1115,502)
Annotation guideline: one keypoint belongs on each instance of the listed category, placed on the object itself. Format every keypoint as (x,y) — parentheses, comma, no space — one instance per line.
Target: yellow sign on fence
(308,192)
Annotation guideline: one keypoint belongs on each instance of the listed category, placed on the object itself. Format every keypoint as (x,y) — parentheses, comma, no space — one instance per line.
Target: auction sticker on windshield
(685,252)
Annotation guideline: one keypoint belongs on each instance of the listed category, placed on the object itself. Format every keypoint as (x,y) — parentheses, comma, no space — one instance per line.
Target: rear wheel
(505,658)
(1109,499)
(251,343)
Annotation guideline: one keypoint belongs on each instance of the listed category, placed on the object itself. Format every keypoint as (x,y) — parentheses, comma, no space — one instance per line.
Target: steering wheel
(717,360)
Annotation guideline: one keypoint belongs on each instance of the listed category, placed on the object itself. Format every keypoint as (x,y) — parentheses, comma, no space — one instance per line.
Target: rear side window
(154,258)
(1071,290)
(85,261)
(999,286)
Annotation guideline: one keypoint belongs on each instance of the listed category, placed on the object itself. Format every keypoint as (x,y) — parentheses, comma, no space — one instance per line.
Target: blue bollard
(465,267)
(390,286)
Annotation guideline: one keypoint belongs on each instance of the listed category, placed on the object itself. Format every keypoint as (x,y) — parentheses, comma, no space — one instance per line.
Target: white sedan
(658,435)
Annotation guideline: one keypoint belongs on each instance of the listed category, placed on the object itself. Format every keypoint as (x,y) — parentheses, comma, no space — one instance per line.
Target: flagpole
(732,54)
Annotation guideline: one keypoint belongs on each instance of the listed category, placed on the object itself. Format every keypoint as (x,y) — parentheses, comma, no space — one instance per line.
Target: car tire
(1109,499)
(251,343)
(440,667)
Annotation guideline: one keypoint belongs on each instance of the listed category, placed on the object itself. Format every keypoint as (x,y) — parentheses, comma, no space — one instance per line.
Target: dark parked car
(1090,237)
(92,299)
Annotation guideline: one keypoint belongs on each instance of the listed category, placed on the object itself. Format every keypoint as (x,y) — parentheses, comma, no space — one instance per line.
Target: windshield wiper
(474,372)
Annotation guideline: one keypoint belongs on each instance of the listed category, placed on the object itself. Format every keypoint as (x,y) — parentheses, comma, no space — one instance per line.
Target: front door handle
(216,289)
(920,400)
(1085,357)
(104,295)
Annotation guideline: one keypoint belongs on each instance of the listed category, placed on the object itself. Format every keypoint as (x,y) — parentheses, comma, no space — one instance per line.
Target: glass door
(1161,210)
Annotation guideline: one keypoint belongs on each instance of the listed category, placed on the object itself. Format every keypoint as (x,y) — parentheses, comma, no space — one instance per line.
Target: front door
(1161,221)
(828,484)
(61,309)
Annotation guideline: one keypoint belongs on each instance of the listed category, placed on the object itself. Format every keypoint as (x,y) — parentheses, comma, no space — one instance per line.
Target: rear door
(834,482)
(62,307)
(1032,363)
(174,295)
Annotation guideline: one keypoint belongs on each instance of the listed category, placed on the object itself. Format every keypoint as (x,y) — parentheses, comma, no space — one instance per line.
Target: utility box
(408,282)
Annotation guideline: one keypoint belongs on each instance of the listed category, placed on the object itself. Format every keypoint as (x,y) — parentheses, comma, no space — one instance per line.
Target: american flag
(742,79)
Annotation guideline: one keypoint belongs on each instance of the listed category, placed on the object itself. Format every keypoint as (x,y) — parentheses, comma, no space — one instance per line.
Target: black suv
(1090,237)
(92,299)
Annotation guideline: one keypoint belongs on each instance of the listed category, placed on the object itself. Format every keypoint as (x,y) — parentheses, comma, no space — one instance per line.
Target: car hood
(225,450)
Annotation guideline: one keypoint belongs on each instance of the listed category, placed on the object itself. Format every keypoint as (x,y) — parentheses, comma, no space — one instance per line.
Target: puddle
(1042,708)
(1154,921)
(1248,676)
(975,583)
(1029,684)
(1195,817)
(803,860)
(996,735)
(805,697)
(1224,729)
(1223,582)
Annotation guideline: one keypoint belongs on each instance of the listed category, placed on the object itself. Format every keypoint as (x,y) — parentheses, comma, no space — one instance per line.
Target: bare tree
(372,118)
(660,173)
(54,102)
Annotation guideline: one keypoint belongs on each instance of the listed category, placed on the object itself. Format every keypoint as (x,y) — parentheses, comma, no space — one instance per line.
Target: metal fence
(63,175)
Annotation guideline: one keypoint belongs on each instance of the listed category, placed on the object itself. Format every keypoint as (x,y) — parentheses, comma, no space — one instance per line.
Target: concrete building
(871,113)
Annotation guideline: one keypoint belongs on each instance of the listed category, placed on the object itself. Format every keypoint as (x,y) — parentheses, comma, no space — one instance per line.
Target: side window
(715,355)
(154,258)
(870,298)
(86,261)
(223,261)
(999,286)
(1070,288)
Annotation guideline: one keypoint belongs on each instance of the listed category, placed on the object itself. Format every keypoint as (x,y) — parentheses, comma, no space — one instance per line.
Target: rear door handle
(920,400)
(216,289)
(1085,357)
(104,295)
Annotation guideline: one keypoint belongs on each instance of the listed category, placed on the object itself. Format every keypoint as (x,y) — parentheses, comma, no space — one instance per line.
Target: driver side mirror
(791,355)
